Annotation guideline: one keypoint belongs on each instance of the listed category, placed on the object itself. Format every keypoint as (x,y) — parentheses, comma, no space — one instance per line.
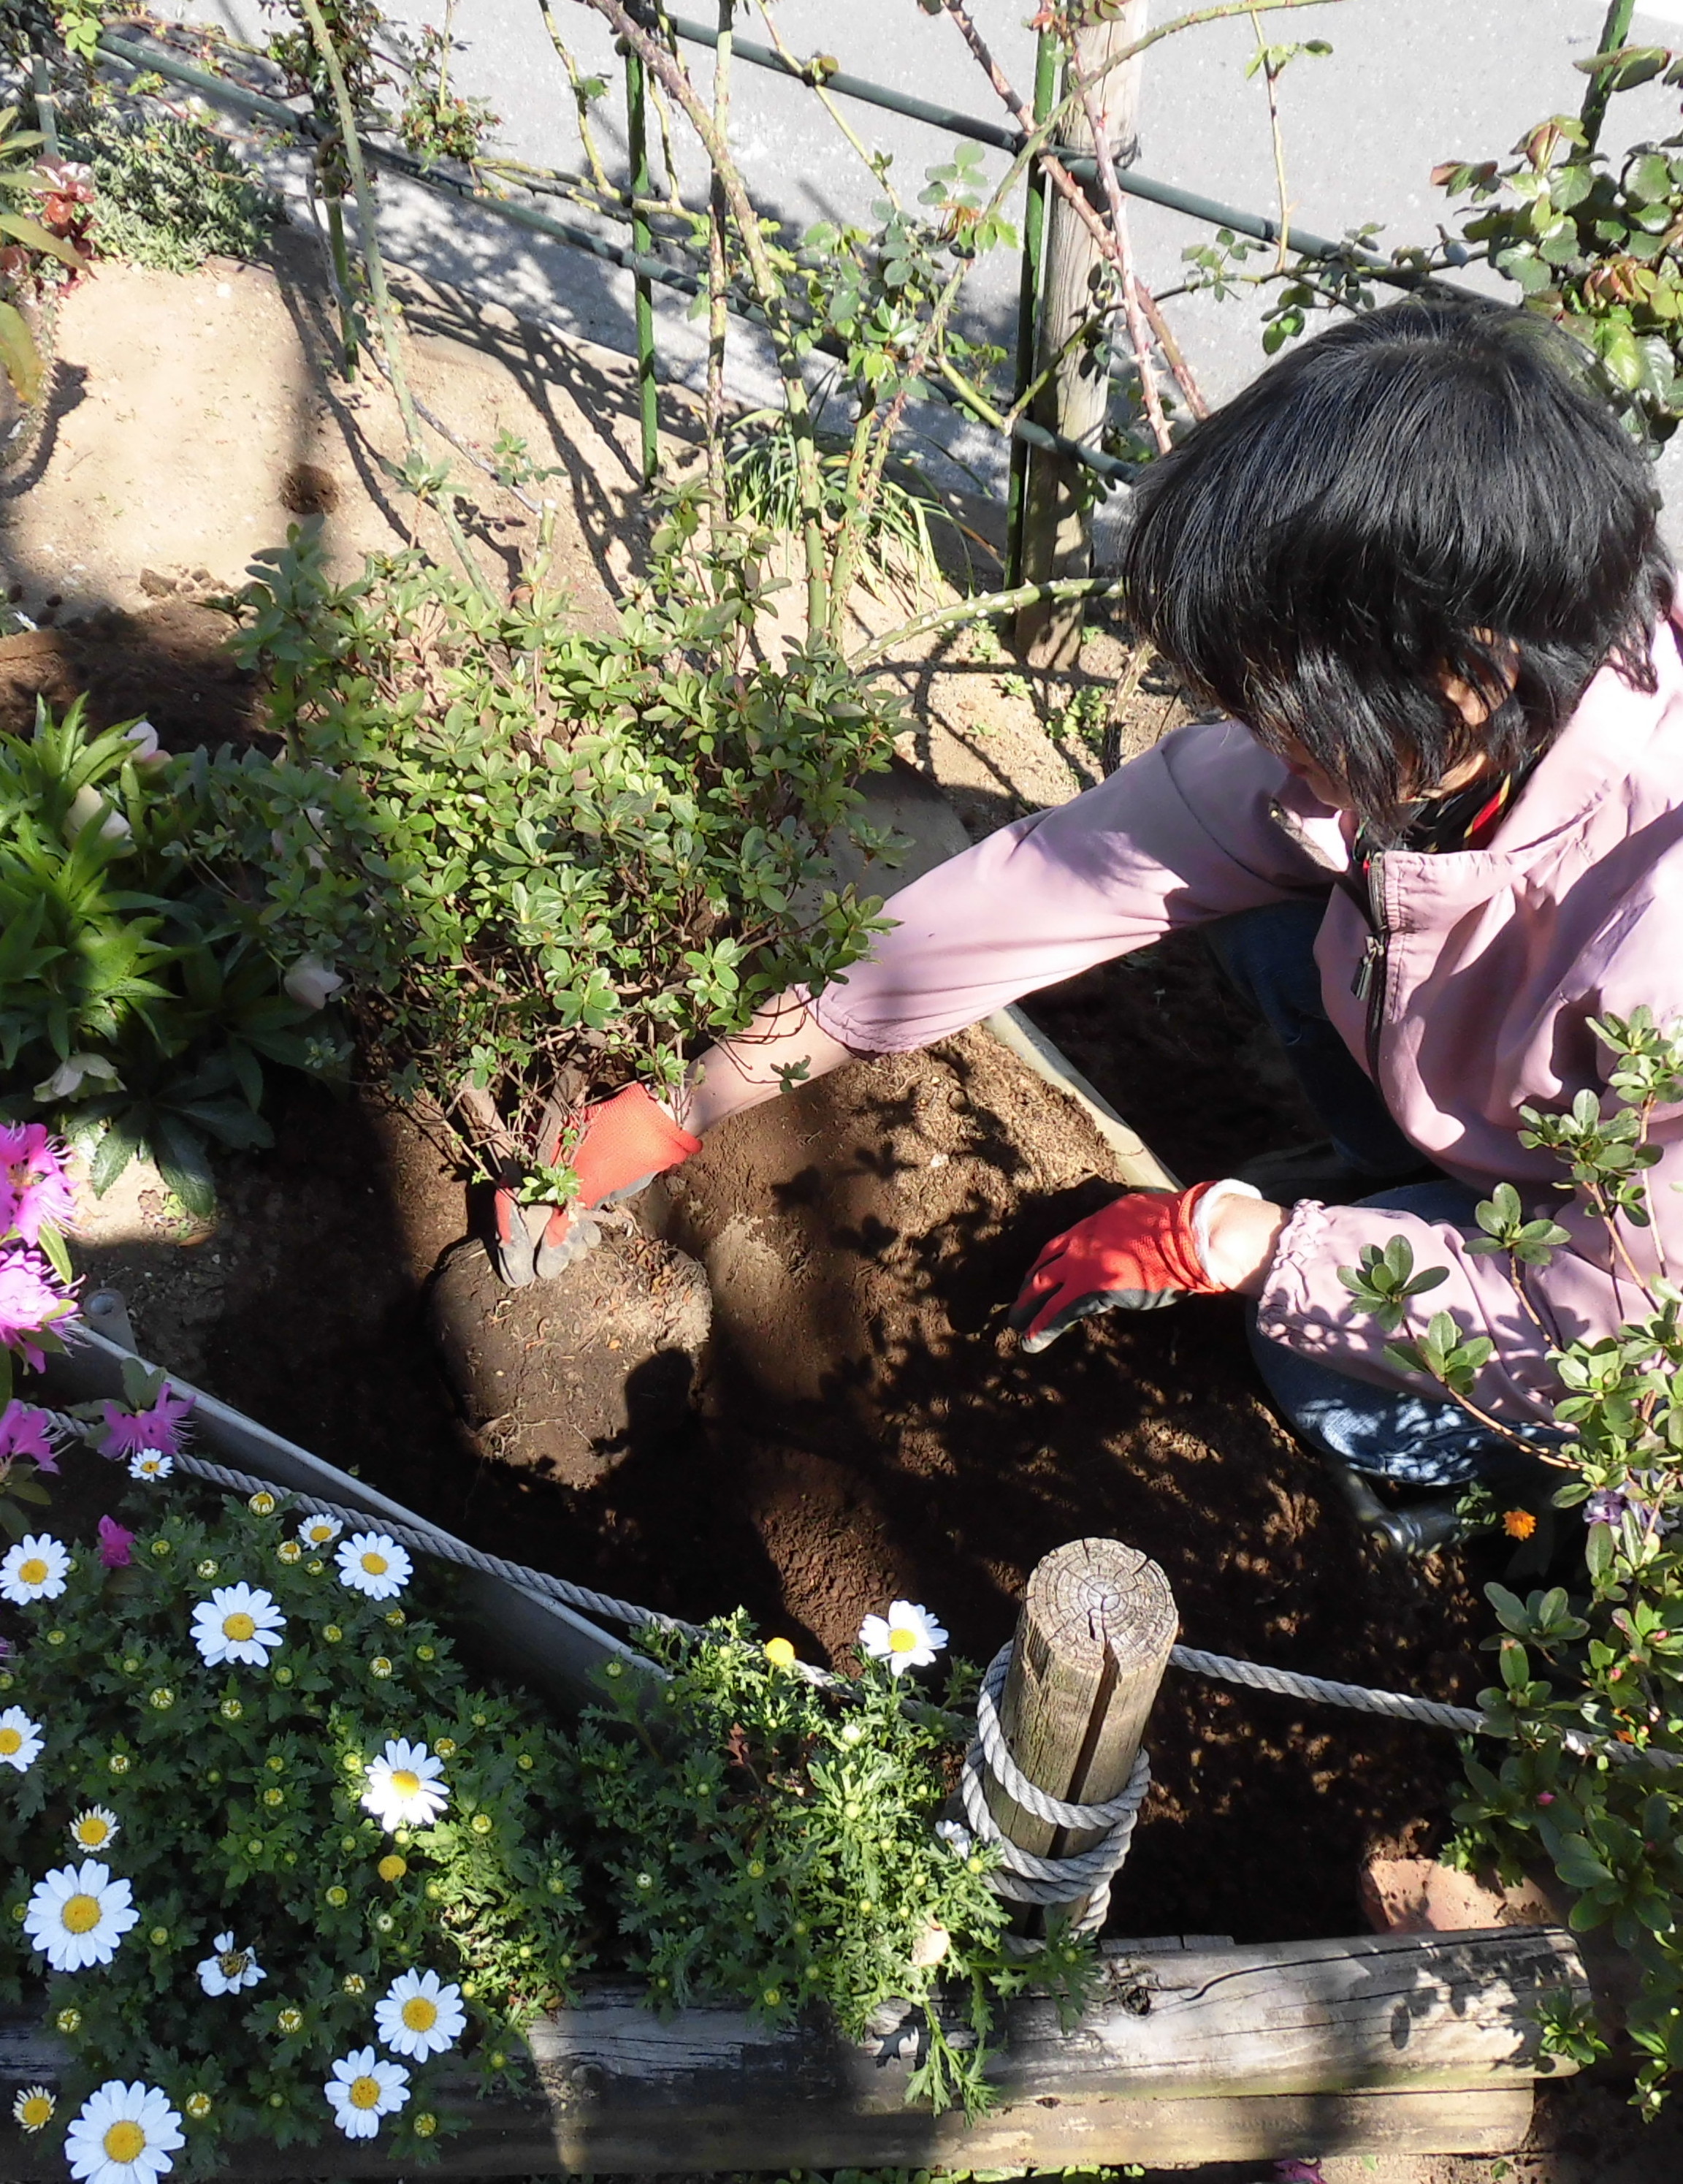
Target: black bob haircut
(1432,489)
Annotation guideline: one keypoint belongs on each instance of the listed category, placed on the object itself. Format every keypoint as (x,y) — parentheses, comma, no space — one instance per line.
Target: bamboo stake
(1056,533)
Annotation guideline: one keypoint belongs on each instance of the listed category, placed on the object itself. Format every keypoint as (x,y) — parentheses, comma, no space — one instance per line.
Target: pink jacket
(1488,966)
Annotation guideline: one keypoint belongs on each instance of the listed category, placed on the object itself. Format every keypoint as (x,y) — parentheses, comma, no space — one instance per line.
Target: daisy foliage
(818,1875)
(193,1886)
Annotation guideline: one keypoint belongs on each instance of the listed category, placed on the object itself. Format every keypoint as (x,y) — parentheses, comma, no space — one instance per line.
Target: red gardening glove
(620,1144)
(1131,1256)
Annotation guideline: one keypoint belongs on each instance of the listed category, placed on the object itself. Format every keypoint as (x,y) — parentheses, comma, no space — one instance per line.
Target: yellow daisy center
(393,1868)
(419,2015)
(124,2141)
(32,1572)
(375,1564)
(35,2112)
(318,1534)
(81,1915)
(11,1741)
(239,1627)
(405,1781)
(89,1832)
(233,1962)
(364,2092)
(903,1641)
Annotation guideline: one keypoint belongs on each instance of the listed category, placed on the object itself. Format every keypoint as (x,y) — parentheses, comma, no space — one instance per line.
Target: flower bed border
(526,1635)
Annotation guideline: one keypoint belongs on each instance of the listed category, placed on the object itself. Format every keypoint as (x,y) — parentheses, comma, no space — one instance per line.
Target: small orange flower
(1519,1523)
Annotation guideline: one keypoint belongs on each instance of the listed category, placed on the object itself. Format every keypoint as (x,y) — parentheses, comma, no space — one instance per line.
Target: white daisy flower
(34,2108)
(149,1463)
(957,1837)
(405,1788)
(419,2017)
(35,1569)
(94,1828)
(908,1637)
(362,2089)
(238,1623)
(371,1563)
(123,2135)
(20,1740)
(319,1531)
(230,1969)
(78,1914)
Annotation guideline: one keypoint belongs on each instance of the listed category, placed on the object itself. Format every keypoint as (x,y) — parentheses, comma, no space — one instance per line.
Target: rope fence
(1285,1683)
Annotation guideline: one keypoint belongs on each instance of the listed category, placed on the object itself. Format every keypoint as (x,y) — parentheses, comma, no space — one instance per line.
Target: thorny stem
(586,134)
(1139,335)
(767,287)
(814,78)
(384,310)
(718,312)
(983,608)
(1172,354)
(1270,81)
(1114,246)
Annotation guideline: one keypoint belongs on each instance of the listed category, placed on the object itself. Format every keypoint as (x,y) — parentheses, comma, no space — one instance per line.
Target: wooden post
(1092,1641)
(1057,534)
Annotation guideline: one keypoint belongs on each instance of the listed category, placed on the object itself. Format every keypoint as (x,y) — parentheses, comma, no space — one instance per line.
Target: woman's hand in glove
(1150,1248)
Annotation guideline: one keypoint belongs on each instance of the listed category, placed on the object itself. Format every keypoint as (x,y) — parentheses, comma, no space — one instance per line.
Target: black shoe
(1320,1170)
(1413,1531)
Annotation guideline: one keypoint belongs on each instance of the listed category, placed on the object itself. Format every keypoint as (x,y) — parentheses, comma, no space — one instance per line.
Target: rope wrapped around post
(1021,1876)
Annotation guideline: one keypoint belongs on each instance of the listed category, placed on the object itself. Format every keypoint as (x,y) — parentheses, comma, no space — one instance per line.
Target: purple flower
(1606,1506)
(30,1300)
(33,1189)
(128,1432)
(116,1544)
(27,1432)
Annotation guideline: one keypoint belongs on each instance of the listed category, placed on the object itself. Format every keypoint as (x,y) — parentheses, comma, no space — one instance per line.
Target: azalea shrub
(514,847)
(138,1003)
(36,1302)
(1590,1702)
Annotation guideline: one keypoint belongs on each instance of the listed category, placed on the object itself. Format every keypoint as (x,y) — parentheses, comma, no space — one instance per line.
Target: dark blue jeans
(1269,955)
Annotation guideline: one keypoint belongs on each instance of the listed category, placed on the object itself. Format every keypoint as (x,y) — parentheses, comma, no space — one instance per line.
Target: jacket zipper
(1372,972)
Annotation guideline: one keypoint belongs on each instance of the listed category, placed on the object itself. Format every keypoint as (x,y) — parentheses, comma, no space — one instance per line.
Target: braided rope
(447,1549)
(1287,1683)
(1023,1876)
(1401,1706)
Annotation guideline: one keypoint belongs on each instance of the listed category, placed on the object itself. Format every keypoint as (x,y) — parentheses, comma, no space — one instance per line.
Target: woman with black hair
(1416,564)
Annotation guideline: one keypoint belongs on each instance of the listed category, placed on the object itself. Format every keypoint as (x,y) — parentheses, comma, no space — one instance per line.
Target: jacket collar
(1606,738)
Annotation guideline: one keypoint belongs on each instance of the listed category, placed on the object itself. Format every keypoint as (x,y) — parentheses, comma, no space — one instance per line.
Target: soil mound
(167,664)
(568,1376)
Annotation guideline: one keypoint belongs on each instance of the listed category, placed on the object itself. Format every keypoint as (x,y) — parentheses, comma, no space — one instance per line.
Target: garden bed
(864,1427)
(869,1429)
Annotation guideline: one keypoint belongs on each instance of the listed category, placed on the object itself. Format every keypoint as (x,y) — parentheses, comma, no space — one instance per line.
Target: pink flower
(116,1544)
(128,1432)
(1545,1796)
(33,1189)
(27,1432)
(31,1300)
